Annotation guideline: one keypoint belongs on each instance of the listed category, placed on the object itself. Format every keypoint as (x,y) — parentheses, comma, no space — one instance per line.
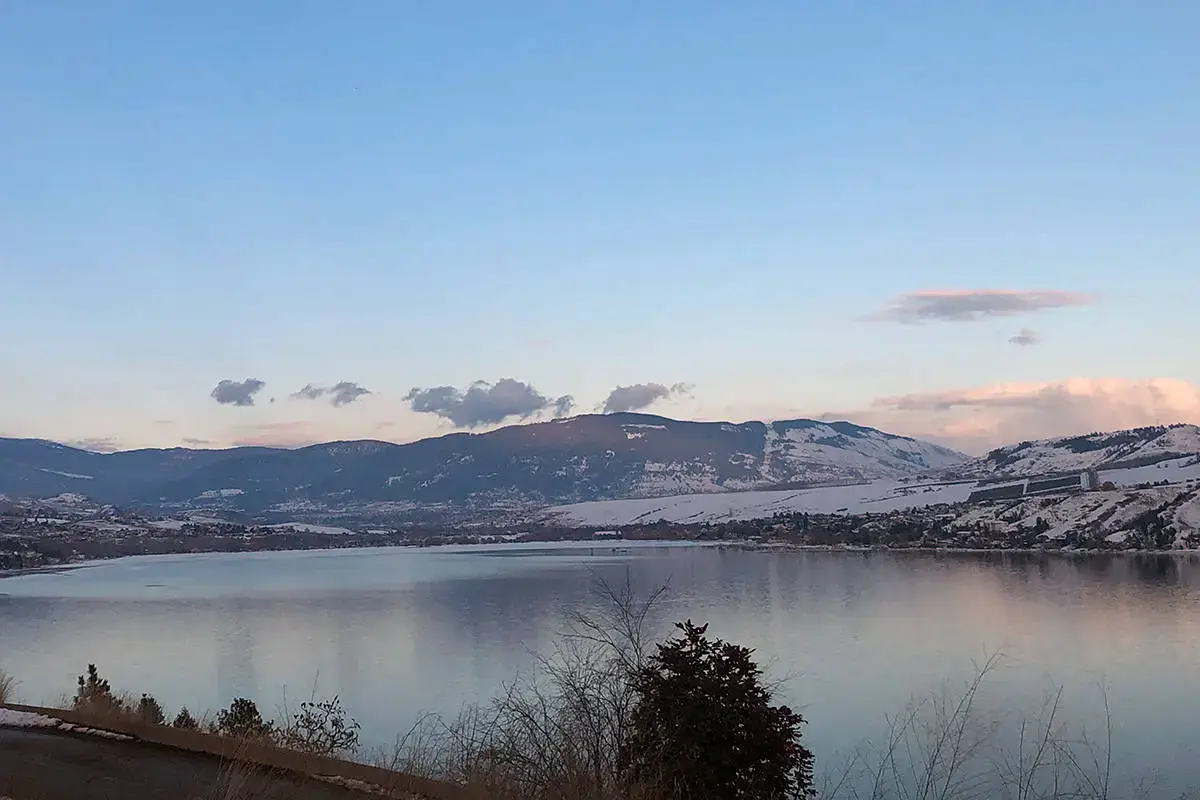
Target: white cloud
(977,419)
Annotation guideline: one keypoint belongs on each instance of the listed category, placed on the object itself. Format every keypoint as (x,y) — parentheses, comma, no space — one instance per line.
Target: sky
(282,223)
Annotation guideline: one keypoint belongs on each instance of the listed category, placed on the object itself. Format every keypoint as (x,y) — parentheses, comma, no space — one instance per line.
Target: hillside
(1129,448)
(1161,467)
(583,458)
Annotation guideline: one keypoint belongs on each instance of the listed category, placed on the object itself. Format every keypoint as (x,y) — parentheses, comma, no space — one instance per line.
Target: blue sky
(585,196)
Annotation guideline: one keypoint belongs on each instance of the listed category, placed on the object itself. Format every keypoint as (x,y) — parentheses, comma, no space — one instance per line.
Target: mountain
(1137,447)
(588,457)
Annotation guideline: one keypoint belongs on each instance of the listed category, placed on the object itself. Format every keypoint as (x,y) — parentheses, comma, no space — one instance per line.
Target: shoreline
(777,547)
(1065,551)
(47,570)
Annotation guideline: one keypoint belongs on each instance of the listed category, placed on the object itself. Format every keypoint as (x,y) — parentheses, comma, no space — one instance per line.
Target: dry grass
(8,688)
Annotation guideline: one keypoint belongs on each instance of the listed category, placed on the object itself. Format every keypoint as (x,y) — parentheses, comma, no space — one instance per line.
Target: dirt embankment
(120,759)
(39,765)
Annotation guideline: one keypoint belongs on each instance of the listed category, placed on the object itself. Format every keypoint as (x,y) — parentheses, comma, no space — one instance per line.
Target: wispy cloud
(641,395)
(1026,338)
(237,393)
(973,305)
(484,403)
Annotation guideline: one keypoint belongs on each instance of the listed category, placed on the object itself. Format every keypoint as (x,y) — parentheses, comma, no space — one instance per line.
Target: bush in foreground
(149,711)
(704,727)
(322,727)
(185,721)
(94,695)
(242,720)
(610,715)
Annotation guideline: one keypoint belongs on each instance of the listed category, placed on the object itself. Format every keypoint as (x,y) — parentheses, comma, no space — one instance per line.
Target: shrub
(242,721)
(322,728)
(149,711)
(94,695)
(185,721)
(704,726)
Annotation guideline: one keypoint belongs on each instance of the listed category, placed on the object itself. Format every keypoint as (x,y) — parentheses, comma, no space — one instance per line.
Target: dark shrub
(704,727)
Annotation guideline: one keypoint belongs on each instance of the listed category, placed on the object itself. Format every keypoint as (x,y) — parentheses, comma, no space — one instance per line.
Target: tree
(149,711)
(703,726)
(94,694)
(242,721)
(185,721)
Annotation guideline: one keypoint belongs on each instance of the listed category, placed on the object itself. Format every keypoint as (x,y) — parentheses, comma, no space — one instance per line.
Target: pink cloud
(977,419)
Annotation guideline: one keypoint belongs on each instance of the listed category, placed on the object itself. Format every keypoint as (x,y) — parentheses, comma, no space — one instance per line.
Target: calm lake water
(397,632)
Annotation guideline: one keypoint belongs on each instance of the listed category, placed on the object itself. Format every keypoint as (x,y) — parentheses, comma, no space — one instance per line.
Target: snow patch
(877,496)
(215,493)
(65,474)
(26,719)
(306,527)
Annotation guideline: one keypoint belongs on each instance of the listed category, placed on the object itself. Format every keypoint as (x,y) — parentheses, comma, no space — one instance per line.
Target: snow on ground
(309,528)
(1187,516)
(168,524)
(1113,510)
(70,498)
(25,719)
(1176,470)
(108,527)
(1071,453)
(860,498)
(66,474)
(212,494)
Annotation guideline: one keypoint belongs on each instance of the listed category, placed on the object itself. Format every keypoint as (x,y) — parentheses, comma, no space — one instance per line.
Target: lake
(397,632)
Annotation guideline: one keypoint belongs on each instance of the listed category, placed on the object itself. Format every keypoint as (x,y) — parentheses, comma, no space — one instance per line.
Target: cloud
(641,395)
(100,444)
(980,418)
(309,392)
(563,405)
(237,393)
(973,305)
(340,394)
(485,403)
(1026,338)
(197,442)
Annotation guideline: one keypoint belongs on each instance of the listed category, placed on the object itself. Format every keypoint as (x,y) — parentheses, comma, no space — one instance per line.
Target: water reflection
(398,632)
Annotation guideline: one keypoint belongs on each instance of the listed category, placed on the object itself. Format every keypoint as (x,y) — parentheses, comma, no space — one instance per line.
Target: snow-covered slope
(1128,448)
(1114,515)
(878,496)
(670,457)
(875,497)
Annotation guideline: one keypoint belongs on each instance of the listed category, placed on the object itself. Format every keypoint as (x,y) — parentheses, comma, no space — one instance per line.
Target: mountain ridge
(592,456)
(1129,447)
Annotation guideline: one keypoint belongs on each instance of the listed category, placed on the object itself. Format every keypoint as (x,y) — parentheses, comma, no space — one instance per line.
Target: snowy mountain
(583,458)
(1153,495)
(1129,448)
